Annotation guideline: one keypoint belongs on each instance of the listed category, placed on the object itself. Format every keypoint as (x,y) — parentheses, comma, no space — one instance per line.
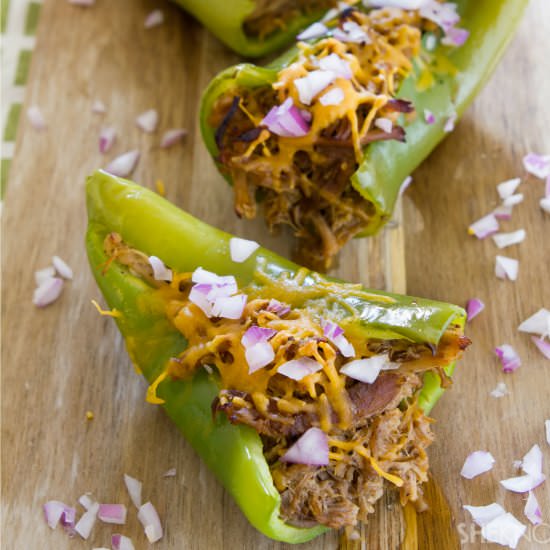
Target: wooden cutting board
(60,362)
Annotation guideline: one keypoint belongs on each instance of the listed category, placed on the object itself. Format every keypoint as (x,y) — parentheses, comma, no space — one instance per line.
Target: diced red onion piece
(482,515)
(450,123)
(455,37)
(503,212)
(545,204)
(156,17)
(474,307)
(36,118)
(68,518)
(502,240)
(538,323)
(336,335)
(405,184)
(42,275)
(532,462)
(160,271)
(86,522)
(242,249)
(226,289)
(508,188)
(532,509)
(316,30)
(134,489)
(258,356)
(256,334)
(477,463)
(172,136)
(508,357)
(124,164)
(500,390)
(150,520)
(107,137)
(286,120)
(444,15)
(199,296)
(148,121)
(169,473)
(346,348)
(86,501)
(351,32)
(121,542)
(385,124)
(334,96)
(62,268)
(429,117)
(538,165)
(53,509)
(332,13)
(297,369)
(201,275)
(112,513)
(366,370)
(48,292)
(312,84)
(340,67)
(98,107)
(229,307)
(522,484)
(505,530)
(547,428)
(332,330)
(278,308)
(311,449)
(542,345)
(512,200)
(506,268)
(484,226)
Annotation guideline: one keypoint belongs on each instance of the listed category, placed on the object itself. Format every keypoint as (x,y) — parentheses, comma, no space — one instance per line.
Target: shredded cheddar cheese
(322,398)
(152,389)
(307,178)
(106,312)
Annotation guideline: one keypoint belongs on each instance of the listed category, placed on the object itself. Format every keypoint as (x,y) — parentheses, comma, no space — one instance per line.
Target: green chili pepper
(149,223)
(386,164)
(226,21)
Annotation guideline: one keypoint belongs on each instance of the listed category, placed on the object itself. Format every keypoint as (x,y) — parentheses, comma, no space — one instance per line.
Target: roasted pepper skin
(225,19)
(386,164)
(151,224)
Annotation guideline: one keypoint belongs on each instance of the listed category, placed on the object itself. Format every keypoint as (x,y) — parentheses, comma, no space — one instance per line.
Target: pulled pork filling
(270,16)
(303,179)
(377,434)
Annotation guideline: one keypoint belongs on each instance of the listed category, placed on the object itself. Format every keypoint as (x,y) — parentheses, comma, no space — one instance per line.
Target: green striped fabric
(18,24)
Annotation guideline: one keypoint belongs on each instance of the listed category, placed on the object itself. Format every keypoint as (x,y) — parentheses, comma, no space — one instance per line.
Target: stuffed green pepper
(254,28)
(325,136)
(306,396)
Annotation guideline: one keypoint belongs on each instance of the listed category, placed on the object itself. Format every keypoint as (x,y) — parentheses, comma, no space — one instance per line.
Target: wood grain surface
(62,361)
(456,186)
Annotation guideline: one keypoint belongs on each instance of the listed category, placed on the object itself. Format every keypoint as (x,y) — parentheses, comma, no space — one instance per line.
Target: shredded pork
(377,434)
(305,182)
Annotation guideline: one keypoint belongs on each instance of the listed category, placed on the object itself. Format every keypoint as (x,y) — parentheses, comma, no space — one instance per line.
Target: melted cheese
(323,393)
(376,66)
